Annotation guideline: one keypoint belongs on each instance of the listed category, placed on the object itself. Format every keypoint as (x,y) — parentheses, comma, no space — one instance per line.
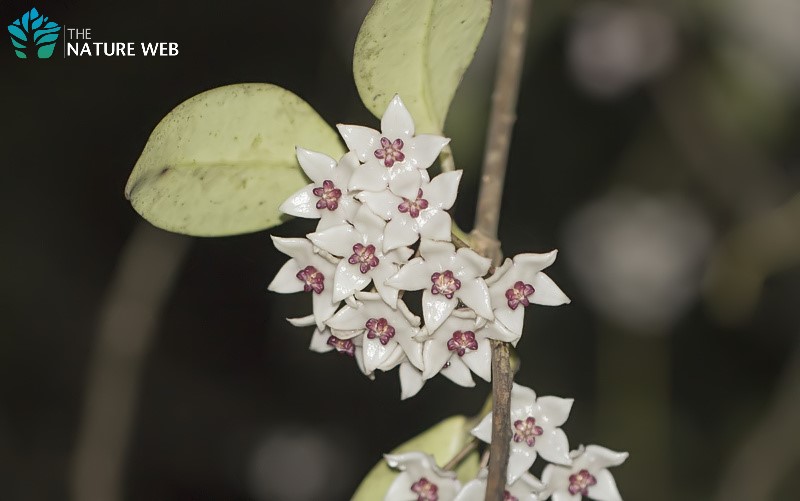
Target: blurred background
(656,147)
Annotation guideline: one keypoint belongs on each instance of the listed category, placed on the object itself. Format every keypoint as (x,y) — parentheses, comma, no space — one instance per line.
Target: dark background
(656,146)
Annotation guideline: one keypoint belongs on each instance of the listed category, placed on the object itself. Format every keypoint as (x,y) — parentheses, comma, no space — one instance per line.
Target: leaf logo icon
(33,35)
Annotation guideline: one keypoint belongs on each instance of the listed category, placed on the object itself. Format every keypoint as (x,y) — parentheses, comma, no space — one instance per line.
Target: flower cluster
(384,229)
(535,431)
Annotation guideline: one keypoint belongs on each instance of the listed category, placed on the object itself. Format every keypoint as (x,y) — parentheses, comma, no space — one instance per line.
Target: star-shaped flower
(360,247)
(424,216)
(447,277)
(518,283)
(420,479)
(382,328)
(535,429)
(326,198)
(460,340)
(393,157)
(526,488)
(323,341)
(306,271)
(587,477)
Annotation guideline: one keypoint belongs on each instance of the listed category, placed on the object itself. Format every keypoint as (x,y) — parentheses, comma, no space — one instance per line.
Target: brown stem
(460,455)
(484,235)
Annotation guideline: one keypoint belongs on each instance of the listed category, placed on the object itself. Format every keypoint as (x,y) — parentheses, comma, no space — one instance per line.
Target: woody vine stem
(484,235)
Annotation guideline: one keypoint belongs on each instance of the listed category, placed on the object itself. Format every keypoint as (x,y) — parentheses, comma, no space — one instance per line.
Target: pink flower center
(580,482)
(518,295)
(364,256)
(414,207)
(425,490)
(328,194)
(445,284)
(508,497)
(526,431)
(461,342)
(390,151)
(344,346)
(379,328)
(314,280)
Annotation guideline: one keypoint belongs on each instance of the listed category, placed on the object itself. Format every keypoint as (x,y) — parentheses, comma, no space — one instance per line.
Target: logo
(33,35)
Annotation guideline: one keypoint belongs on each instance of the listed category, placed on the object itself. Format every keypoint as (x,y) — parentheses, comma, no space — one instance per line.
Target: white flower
(361,248)
(520,282)
(394,157)
(458,341)
(326,198)
(526,488)
(447,277)
(420,479)
(382,327)
(323,341)
(412,380)
(424,215)
(535,429)
(588,476)
(308,272)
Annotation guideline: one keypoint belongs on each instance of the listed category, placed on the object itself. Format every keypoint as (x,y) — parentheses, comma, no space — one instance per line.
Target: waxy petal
(396,121)
(555,410)
(459,373)
(547,292)
(302,203)
(376,353)
(411,381)
(371,176)
(474,264)
(436,308)
(361,140)
(286,281)
(415,275)
(317,166)
(400,232)
(382,203)
(319,341)
(324,306)
(435,224)
(513,320)
(480,360)
(520,460)
(405,182)
(348,280)
(554,446)
(337,240)
(442,191)
(425,148)
(475,294)
(606,488)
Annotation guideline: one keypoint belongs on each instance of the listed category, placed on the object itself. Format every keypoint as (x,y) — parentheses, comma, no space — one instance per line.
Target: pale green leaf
(443,441)
(418,49)
(223,161)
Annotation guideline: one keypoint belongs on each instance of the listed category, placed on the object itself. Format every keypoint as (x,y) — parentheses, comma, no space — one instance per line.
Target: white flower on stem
(326,198)
(518,283)
(458,341)
(526,488)
(394,157)
(382,328)
(323,341)
(535,429)
(447,277)
(411,218)
(412,380)
(587,477)
(306,271)
(420,479)
(360,247)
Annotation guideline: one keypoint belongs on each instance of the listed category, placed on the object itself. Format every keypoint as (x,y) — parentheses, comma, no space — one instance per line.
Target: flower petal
(301,203)
(301,321)
(458,373)
(323,305)
(347,319)
(606,487)
(298,248)
(435,224)
(565,496)
(319,341)
(443,189)
(480,360)
(376,353)
(597,457)
(415,275)
(523,400)
(474,264)
(475,294)
(554,446)
(513,320)
(337,240)
(405,182)
(286,281)
(554,410)
(520,460)
(436,309)
(348,280)
(383,203)
(484,429)
(369,177)
(425,148)
(496,330)
(362,140)
(317,166)
(438,252)
(396,120)
(399,232)
(379,277)
(434,355)
(547,292)
(411,381)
